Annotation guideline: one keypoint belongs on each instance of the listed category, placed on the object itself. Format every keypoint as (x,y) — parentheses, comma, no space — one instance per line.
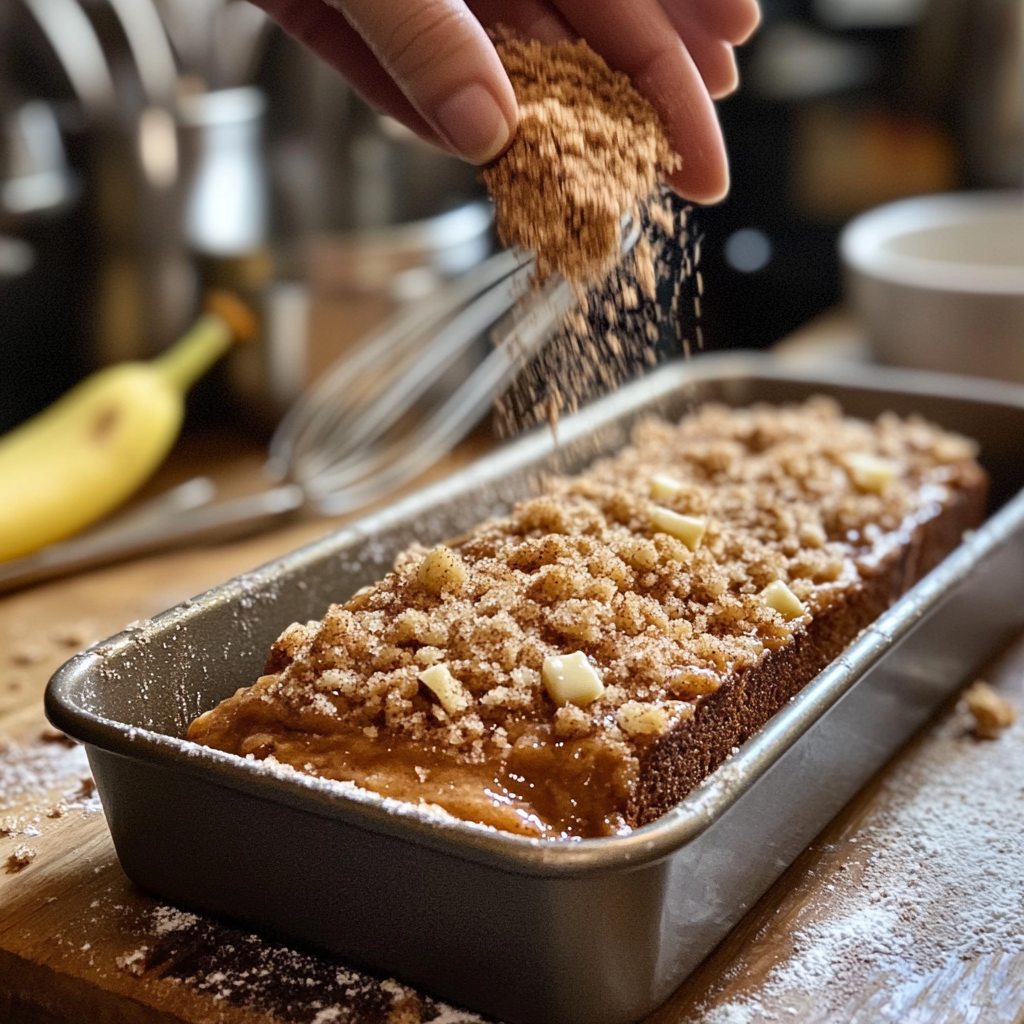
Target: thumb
(440,57)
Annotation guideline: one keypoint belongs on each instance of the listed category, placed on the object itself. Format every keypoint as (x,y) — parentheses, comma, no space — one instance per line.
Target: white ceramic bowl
(938,282)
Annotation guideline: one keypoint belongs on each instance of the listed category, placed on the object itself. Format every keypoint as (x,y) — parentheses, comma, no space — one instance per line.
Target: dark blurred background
(845,105)
(151,148)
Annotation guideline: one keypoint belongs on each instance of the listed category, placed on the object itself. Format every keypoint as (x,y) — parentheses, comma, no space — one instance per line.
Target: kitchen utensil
(375,421)
(348,443)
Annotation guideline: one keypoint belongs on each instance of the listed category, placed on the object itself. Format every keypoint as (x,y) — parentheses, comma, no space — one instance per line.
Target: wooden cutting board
(834,940)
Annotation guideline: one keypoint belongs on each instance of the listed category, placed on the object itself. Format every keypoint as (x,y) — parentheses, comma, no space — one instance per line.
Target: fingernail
(474,124)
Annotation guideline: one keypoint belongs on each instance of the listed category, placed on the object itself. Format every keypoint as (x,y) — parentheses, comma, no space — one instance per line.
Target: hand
(430,64)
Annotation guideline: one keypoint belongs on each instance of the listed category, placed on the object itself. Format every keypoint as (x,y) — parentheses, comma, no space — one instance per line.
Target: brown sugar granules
(616,331)
(580,187)
(587,151)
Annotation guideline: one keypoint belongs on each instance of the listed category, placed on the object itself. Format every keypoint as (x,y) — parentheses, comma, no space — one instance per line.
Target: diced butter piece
(870,473)
(778,596)
(689,529)
(441,569)
(449,691)
(571,679)
(664,488)
(637,718)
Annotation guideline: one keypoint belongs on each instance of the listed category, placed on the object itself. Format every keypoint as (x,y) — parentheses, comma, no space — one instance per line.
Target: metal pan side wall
(523,948)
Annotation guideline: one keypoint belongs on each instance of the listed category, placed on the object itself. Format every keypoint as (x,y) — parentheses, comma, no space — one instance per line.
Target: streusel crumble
(574,668)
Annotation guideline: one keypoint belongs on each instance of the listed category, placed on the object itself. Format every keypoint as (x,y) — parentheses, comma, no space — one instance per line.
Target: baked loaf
(575,668)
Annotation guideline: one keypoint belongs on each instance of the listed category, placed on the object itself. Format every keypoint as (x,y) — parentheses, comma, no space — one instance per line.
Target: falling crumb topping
(587,149)
(470,652)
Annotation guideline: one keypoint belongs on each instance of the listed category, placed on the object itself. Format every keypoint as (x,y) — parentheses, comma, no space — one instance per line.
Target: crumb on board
(133,963)
(991,712)
(27,654)
(20,859)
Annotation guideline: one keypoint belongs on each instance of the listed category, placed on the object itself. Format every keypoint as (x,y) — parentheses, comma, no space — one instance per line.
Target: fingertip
(475,123)
(548,29)
(703,186)
(674,86)
(751,24)
(726,77)
(733,21)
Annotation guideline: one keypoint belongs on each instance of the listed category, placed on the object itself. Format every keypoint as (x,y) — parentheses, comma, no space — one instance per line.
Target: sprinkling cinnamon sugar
(579,184)
(630,322)
(588,149)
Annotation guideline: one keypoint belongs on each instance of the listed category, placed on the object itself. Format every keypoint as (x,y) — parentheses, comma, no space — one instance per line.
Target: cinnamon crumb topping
(992,713)
(588,148)
(462,674)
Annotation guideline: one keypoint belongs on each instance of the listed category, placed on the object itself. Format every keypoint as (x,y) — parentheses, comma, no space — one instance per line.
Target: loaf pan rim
(518,854)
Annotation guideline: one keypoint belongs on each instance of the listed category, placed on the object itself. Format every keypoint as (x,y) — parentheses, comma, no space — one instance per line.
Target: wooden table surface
(79,943)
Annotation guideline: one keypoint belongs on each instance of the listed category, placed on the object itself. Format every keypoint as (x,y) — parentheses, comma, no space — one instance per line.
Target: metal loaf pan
(599,931)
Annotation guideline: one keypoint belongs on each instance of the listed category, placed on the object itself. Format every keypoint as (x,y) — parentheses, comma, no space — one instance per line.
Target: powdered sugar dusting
(42,780)
(735,1014)
(170,919)
(934,879)
(33,770)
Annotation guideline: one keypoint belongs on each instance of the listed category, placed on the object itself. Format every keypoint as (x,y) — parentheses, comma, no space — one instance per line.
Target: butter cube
(441,569)
(778,596)
(642,555)
(689,529)
(637,718)
(571,679)
(449,691)
(870,473)
(664,488)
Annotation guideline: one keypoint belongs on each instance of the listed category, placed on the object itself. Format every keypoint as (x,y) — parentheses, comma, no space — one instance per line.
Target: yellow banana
(89,451)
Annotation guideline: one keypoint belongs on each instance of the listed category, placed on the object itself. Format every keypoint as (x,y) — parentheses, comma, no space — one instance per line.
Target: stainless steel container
(598,931)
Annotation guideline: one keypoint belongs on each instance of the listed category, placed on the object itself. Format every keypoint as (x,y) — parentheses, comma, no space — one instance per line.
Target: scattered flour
(942,881)
(170,919)
(241,969)
(32,778)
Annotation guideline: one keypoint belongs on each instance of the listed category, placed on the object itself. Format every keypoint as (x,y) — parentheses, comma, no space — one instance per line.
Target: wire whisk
(365,429)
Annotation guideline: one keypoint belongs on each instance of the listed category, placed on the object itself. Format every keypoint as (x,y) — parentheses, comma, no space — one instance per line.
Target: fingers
(636,37)
(532,19)
(732,21)
(441,59)
(429,64)
(326,32)
(714,57)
